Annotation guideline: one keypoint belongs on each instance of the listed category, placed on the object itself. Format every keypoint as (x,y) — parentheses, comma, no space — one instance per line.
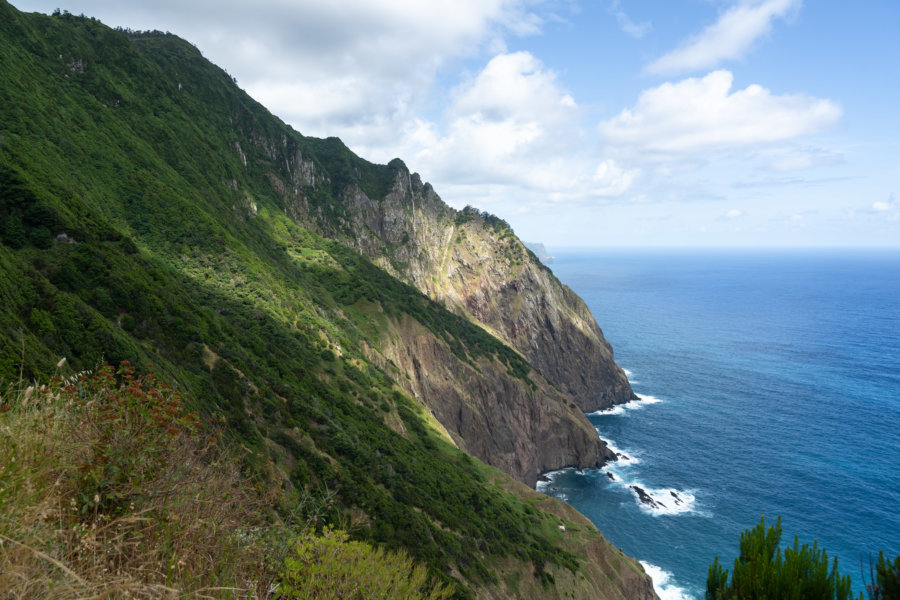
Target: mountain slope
(475,265)
(138,222)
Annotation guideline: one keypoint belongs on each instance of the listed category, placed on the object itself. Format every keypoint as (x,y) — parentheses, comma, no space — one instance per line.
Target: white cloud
(793,159)
(359,70)
(513,126)
(511,123)
(734,213)
(729,38)
(701,115)
(888,208)
(612,180)
(635,30)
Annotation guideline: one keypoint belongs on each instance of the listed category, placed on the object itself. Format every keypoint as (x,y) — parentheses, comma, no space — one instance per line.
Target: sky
(587,122)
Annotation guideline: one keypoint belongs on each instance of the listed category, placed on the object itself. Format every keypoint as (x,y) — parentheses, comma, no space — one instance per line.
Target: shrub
(763,571)
(885,581)
(333,566)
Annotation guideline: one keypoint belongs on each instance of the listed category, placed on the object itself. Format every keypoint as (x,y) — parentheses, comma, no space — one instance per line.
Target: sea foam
(618,409)
(662,583)
(546,487)
(662,501)
(625,457)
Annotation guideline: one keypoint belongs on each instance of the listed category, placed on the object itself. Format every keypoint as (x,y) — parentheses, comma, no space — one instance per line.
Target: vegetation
(884,578)
(109,487)
(331,566)
(763,570)
(491,221)
(142,219)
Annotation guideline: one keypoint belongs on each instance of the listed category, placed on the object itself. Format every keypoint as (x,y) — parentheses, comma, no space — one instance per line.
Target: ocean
(769,384)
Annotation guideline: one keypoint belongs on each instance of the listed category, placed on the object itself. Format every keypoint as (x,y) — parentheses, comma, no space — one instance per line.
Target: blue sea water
(771,382)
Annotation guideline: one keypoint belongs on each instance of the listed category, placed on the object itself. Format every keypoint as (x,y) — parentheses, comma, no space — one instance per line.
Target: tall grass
(109,488)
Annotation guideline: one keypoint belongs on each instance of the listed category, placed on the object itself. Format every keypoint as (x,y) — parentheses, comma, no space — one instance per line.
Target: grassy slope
(182,259)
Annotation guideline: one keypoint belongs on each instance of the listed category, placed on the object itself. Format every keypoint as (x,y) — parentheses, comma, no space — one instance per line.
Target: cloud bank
(703,114)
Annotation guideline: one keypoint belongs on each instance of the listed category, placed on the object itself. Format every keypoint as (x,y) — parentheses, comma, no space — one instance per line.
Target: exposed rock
(646,498)
(522,429)
(476,266)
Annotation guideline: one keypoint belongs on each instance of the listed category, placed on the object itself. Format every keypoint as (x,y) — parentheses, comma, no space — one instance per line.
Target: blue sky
(588,122)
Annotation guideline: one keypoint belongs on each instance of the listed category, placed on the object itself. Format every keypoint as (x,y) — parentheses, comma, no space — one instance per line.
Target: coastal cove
(769,385)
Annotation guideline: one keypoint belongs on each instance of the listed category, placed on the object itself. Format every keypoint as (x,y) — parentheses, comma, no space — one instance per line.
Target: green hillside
(131,229)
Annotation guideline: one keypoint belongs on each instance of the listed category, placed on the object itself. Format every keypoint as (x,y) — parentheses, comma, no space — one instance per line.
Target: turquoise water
(771,386)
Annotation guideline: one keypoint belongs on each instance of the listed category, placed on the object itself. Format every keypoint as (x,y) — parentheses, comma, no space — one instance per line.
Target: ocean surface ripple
(769,384)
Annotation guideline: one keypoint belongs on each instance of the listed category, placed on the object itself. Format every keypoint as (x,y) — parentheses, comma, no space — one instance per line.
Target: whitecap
(625,457)
(663,584)
(647,399)
(618,409)
(662,501)
(545,484)
(613,410)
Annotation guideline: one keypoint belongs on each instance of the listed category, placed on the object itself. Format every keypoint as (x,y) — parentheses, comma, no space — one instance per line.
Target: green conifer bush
(764,571)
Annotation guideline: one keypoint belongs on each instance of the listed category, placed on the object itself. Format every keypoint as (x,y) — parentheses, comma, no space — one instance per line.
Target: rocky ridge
(475,265)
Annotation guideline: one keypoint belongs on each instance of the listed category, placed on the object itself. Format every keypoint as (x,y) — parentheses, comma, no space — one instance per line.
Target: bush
(885,581)
(763,571)
(332,566)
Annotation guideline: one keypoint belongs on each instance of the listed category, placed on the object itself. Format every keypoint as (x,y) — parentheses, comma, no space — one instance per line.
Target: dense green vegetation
(763,570)
(141,221)
(330,565)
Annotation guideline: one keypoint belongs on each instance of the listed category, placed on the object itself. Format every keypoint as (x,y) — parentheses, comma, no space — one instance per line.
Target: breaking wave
(662,583)
(663,501)
(618,409)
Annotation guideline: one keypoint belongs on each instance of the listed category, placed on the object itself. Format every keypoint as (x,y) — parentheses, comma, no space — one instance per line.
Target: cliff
(475,265)
(523,426)
(151,211)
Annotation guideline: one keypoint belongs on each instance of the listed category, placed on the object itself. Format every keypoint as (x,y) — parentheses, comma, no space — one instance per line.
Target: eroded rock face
(476,267)
(479,268)
(523,429)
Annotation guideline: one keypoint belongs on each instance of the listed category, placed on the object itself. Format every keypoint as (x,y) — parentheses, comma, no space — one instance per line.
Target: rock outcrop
(474,264)
(521,426)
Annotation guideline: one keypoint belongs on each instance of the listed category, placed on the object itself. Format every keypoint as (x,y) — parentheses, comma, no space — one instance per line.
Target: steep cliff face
(521,426)
(474,264)
(457,259)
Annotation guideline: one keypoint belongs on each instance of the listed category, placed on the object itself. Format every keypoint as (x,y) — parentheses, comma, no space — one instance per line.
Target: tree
(885,581)
(764,571)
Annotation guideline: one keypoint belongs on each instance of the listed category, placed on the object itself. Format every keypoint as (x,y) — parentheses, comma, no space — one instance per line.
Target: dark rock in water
(677,497)
(544,478)
(611,476)
(644,497)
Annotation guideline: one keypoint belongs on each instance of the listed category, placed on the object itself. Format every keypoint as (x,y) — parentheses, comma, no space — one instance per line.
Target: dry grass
(109,489)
